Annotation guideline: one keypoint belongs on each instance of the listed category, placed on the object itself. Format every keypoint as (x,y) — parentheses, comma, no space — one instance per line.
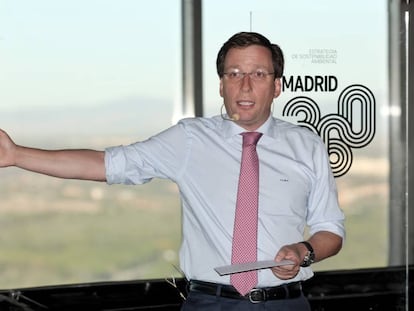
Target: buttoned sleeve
(161,156)
(324,213)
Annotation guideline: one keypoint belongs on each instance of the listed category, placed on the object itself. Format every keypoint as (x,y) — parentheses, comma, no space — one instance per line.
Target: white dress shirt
(202,155)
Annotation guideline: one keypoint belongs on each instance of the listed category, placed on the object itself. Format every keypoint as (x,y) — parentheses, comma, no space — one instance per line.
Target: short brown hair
(245,39)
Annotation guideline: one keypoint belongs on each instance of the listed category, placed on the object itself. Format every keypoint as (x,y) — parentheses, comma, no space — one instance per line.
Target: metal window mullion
(192,94)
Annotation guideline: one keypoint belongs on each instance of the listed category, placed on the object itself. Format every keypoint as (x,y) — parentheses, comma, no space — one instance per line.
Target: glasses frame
(257,75)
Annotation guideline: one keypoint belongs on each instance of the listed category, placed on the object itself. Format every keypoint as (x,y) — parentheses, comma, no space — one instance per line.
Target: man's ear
(278,87)
(221,87)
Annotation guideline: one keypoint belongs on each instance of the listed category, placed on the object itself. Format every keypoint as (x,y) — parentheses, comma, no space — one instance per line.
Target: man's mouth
(245,103)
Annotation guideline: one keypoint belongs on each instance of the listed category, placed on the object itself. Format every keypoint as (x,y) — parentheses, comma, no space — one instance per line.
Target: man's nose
(246,82)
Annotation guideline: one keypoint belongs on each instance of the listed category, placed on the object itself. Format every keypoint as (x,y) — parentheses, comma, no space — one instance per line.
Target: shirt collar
(230,128)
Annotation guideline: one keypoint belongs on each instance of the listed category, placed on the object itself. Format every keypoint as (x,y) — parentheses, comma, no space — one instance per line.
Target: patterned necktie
(245,224)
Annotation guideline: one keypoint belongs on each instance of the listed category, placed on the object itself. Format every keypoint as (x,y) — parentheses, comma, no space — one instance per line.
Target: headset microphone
(234,117)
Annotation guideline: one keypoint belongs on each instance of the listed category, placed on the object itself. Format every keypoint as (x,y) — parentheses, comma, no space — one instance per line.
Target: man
(204,156)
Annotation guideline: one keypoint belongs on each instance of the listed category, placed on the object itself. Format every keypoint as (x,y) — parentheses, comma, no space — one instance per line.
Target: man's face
(249,98)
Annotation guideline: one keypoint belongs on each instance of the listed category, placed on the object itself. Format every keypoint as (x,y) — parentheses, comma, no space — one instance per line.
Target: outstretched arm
(75,164)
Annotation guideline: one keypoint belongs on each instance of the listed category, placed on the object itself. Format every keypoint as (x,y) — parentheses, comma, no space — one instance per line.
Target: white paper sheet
(236,268)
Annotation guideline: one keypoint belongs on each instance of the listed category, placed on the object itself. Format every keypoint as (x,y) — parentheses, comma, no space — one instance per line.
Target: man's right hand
(7,150)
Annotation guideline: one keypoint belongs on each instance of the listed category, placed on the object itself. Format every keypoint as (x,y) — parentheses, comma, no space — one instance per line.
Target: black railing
(382,289)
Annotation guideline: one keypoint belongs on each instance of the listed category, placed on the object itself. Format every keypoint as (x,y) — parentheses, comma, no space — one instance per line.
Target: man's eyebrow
(257,67)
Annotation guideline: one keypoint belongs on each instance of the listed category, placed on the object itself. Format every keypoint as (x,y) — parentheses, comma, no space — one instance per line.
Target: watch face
(312,257)
(309,257)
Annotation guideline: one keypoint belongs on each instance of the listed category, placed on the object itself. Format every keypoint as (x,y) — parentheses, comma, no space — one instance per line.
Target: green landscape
(63,232)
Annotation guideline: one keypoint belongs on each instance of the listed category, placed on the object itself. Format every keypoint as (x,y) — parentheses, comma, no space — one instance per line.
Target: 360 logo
(352,127)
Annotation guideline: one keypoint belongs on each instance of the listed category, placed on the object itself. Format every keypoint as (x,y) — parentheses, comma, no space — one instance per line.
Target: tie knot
(250,138)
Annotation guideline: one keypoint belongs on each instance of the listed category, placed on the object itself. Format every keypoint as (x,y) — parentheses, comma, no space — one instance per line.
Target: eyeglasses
(258,75)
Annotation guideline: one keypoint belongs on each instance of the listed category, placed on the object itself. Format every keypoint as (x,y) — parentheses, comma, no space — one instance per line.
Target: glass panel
(336,61)
(86,74)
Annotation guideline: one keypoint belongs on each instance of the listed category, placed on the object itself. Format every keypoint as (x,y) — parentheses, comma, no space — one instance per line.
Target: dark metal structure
(357,290)
(401,130)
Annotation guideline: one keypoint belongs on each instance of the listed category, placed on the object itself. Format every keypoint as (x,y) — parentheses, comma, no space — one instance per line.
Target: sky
(85,52)
(91,52)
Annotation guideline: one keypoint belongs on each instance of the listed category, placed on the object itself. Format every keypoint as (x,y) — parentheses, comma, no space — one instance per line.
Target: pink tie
(245,223)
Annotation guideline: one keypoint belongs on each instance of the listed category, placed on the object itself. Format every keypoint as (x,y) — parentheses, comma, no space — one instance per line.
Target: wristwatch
(310,255)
